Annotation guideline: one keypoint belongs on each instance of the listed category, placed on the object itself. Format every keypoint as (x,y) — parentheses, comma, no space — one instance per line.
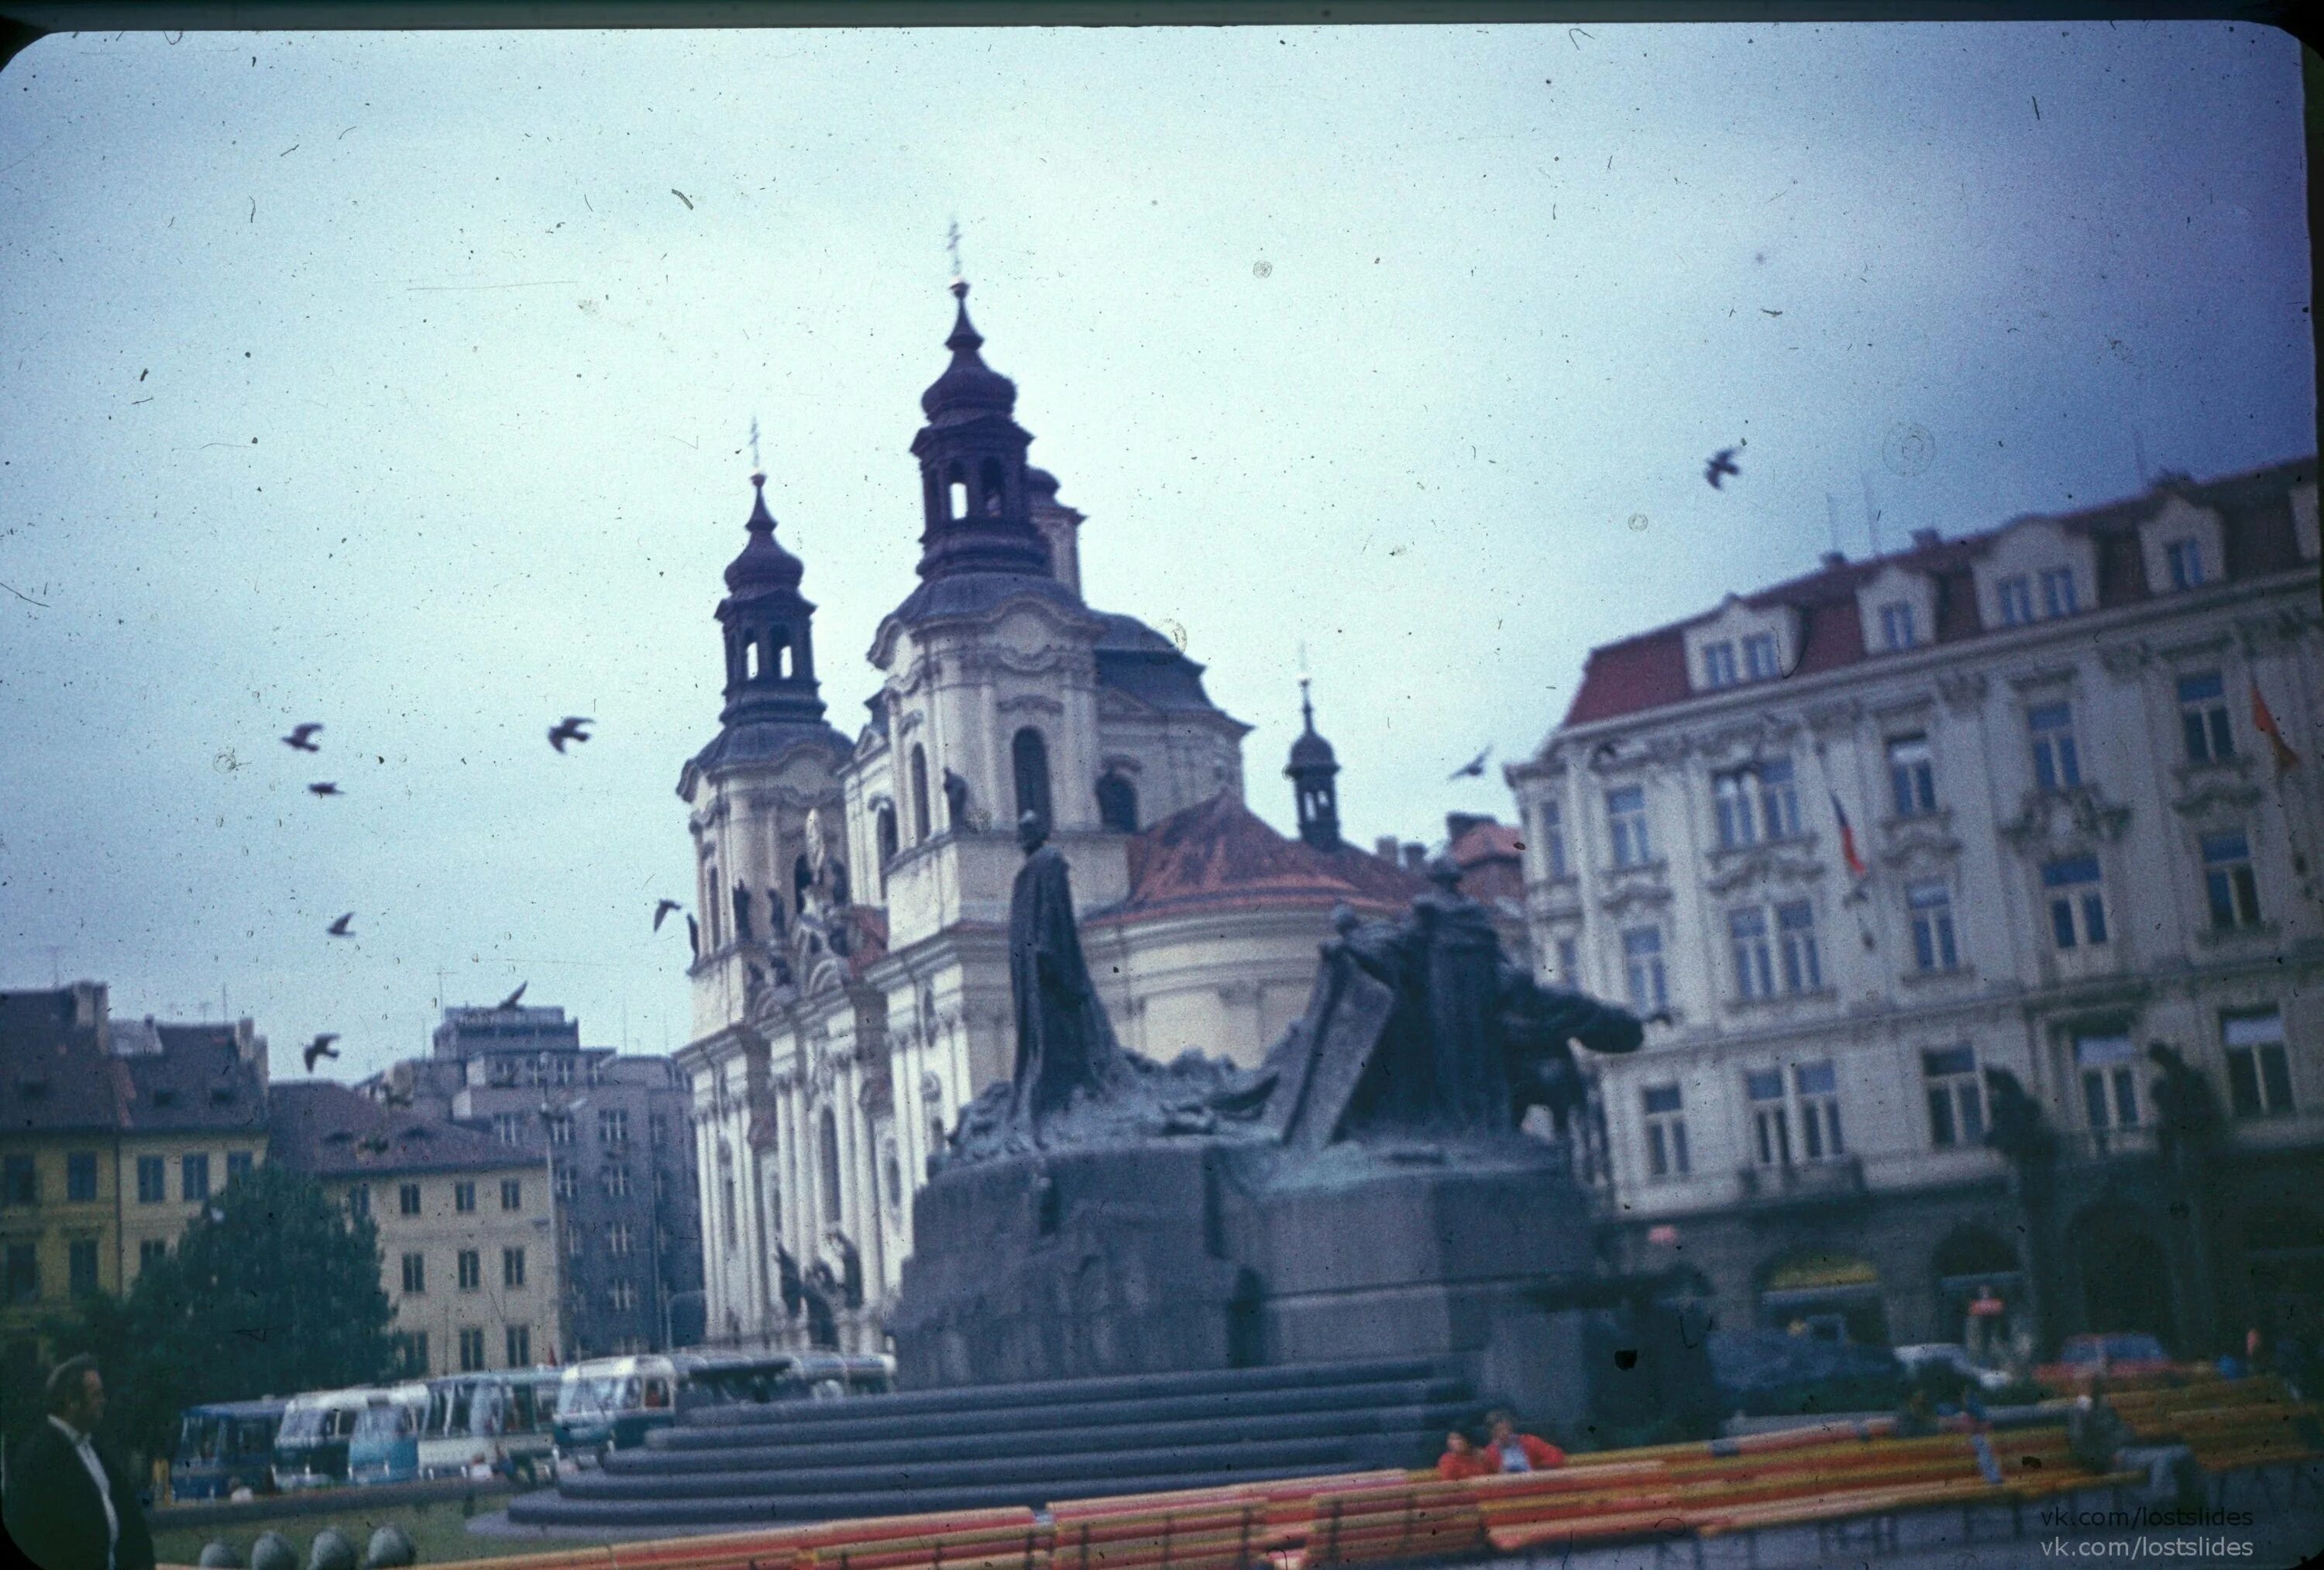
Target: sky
(403,383)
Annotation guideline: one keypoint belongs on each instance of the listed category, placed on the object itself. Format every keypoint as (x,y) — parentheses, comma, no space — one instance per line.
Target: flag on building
(1847,839)
(2264,719)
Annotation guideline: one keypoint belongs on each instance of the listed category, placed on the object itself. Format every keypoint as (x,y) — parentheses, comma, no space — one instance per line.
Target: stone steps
(1013,1444)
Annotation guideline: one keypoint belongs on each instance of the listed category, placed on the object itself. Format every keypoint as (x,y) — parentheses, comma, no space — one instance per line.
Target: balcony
(1837,1182)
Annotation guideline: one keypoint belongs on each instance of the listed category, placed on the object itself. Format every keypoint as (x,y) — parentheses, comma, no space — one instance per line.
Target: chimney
(1385,848)
(90,1011)
(1922,539)
(1415,856)
(1831,559)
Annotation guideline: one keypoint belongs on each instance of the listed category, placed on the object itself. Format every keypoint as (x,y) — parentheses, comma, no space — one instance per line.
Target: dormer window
(2058,598)
(1759,661)
(1718,664)
(1898,631)
(2184,560)
(2015,595)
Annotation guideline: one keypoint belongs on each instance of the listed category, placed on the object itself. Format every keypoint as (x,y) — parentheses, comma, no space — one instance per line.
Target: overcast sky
(403,383)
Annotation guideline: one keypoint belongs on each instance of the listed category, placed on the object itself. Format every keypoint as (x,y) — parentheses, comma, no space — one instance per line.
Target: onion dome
(763,564)
(969,387)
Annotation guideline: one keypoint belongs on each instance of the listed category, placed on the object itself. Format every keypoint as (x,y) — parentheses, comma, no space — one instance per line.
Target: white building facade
(851,974)
(2070,835)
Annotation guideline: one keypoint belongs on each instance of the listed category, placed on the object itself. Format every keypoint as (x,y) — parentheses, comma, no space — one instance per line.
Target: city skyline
(465,336)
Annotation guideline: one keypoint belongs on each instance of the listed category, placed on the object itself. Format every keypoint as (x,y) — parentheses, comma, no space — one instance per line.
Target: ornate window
(2109,1073)
(1956,1096)
(1665,1126)
(2203,720)
(2077,902)
(2229,880)
(1802,969)
(1552,817)
(1755,973)
(1642,970)
(1929,905)
(2057,761)
(2259,1075)
(1625,823)
(1030,755)
(1912,776)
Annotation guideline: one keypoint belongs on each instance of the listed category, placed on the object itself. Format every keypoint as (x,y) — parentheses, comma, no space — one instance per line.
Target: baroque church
(850,968)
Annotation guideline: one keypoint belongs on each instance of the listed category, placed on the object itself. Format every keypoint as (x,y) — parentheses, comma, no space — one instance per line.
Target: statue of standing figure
(1065,1045)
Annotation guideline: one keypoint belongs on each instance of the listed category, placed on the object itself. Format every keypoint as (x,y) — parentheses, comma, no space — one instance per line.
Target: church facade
(851,970)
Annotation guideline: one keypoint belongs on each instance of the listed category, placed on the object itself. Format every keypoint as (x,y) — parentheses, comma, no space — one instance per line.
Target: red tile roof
(1649,671)
(1219,856)
(54,1078)
(1491,860)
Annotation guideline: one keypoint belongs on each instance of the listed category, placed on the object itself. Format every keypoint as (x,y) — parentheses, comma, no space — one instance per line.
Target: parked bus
(612,1403)
(384,1445)
(481,1423)
(310,1447)
(223,1446)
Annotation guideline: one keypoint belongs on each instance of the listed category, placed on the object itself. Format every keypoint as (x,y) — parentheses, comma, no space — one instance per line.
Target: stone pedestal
(1212,1255)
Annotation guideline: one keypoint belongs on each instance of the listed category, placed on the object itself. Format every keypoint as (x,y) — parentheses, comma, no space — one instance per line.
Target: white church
(851,973)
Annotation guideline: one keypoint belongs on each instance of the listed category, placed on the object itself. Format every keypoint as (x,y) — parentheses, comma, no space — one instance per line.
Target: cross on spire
(952,243)
(754,444)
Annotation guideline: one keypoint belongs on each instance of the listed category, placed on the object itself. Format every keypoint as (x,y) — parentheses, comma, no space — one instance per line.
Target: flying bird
(327,788)
(301,737)
(1473,769)
(320,1047)
(510,1001)
(339,928)
(662,911)
(569,730)
(1722,463)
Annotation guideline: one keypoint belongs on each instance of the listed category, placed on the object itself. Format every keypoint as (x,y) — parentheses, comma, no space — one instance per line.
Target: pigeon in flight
(1722,463)
(340,928)
(662,911)
(302,737)
(327,788)
(1473,769)
(510,1001)
(320,1047)
(569,730)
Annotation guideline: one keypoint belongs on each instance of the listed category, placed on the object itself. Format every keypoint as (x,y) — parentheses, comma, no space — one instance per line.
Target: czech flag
(2264,720)
(1847,839)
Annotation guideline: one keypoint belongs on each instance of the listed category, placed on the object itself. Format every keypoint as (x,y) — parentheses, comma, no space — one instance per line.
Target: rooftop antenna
(1871,512)
(55,967)
(2138,455)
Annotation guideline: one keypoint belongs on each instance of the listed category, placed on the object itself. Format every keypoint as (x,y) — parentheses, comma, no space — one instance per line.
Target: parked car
(2130,1360)
(1953,1357)
(223,1445)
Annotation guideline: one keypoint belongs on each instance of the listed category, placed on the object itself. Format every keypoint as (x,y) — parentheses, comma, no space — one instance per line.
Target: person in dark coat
(70,1505)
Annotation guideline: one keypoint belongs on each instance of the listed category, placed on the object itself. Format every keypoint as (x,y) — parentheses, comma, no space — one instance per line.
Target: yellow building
(116,1131)
(60,1097)
(467,1224)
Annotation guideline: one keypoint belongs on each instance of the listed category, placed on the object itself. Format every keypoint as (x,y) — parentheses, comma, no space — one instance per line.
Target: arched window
(750,662)
(989,484)
(783,662)
(1031,755)
(1117,804)
(827,1152)
(955,493)
(920,795)
(886,830)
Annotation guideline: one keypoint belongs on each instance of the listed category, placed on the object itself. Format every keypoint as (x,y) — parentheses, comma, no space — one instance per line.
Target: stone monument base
(1183,1255)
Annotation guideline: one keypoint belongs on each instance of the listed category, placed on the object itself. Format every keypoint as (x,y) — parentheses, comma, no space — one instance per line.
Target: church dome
(968,385)
(1312,751)
(763,564)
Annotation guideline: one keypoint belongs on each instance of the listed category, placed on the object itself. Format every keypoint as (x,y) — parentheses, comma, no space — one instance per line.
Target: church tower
(1311,770)
(975,494)
(769,631)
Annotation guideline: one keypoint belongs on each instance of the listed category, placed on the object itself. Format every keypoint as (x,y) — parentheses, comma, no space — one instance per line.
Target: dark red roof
(55,1077)
(1220,856)
(1491,860)
(1649,671)
(326,1130)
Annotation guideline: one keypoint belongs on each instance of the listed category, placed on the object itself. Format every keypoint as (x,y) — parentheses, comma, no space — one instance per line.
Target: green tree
(272,1290)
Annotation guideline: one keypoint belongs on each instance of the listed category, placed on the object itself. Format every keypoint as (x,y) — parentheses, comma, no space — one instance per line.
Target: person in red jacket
(1512,1451)
(1462,1458)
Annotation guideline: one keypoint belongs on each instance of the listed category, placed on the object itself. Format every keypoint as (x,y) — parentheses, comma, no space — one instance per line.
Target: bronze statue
(1065,1044)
